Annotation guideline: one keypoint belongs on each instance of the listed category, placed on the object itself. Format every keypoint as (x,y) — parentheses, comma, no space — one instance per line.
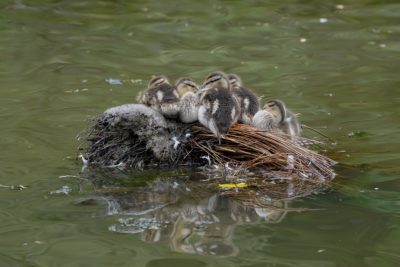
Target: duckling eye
(214,80)
(190,85)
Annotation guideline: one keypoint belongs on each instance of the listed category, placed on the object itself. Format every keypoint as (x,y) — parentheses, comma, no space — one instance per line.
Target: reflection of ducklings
(249,104)
(189,103)
(161,96)
(219,109)
(284,119)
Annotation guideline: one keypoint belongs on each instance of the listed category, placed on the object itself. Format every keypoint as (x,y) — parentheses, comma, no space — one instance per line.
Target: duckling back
(249,104)
(284,119)
(218,110)
(188,107)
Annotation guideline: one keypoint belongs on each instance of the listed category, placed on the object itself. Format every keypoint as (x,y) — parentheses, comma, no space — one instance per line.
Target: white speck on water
(112,81)
(376,188)
(76,90)
(137,81)
(67,176)
(65,189)
(340,7)
(320,250)
(84,81)
(276,67)
(14,187)
(362,191)
(303,40)
(130,33)
(382,45)
(39,242)
(323,20)
(84,89)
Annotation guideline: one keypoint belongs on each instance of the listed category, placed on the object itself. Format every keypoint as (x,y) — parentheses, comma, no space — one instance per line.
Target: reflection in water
(186,214)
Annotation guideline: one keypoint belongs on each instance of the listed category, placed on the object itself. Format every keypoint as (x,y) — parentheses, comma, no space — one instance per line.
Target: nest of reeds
(266,162)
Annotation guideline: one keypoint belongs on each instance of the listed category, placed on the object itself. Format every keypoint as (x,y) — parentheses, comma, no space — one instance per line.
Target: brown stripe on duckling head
(158,80)
(277,105)
(234,80)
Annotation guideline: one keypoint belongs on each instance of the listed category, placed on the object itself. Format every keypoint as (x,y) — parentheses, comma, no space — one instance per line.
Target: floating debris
(323,20)
(340,7)
(229,186)
(112,81)
(14,187)
(303,40)
(65,190)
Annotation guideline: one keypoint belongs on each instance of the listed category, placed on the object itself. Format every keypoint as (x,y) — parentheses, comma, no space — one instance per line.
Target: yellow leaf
(226,186)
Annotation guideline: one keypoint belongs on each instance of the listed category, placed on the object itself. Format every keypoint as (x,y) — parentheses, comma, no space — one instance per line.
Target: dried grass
(272,165)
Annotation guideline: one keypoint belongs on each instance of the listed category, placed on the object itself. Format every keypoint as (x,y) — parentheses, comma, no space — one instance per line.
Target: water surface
(334,63)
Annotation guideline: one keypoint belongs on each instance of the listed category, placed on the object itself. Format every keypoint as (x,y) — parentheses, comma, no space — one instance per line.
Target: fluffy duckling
(217,79)
(161,96)
(249,104)
(263,119)
(284,119)
(219,109)
(189,102)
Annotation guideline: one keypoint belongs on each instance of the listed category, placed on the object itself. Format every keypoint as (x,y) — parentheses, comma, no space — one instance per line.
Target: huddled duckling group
(217,104)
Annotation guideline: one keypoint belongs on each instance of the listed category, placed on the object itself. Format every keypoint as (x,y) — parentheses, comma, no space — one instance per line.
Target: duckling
(189,102)
(217,79)
(249,104)
(219,109)
(263,119)
(284,119)
(161,96)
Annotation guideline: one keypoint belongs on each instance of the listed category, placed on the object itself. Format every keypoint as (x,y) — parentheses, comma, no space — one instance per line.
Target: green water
(342,75)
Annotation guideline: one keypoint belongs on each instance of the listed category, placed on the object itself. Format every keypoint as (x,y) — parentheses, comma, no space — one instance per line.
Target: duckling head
(184,85)
(277,109)
(235,81)
(157,81)
(216,79)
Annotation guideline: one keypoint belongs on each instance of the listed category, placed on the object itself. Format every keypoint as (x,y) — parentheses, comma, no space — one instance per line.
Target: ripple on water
(176,263)
(86,251)
(8,261)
